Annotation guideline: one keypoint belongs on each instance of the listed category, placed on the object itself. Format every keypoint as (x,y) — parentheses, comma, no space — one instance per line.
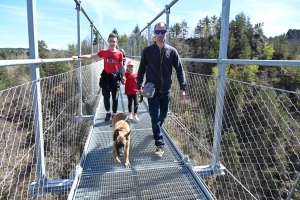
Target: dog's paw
(127,164)
(117,160)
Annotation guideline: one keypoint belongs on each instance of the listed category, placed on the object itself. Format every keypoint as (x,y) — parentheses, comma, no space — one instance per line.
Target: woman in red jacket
(131,91)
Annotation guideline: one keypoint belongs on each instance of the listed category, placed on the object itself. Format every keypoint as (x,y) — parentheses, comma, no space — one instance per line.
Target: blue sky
(57,19)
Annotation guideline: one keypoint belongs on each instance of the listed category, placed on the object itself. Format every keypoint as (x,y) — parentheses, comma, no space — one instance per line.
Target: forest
(246,41)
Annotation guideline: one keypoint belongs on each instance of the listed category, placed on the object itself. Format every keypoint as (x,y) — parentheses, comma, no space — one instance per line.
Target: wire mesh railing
(259,144)
(259,138)
(63,131)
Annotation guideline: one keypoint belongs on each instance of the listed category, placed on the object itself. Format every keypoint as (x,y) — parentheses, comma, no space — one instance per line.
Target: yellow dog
(121,138)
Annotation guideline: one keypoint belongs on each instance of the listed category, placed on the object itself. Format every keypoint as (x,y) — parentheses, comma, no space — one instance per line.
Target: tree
(115,31)
(184,28)
(123,39)
(95,33)
(5,78)
(279,45)
(231,149)
(136,29)
(214,25)
(199,29)
(3,54)
(267,52)
(212,48)
(42,48)
(245,48)
(206,27)
(175,30)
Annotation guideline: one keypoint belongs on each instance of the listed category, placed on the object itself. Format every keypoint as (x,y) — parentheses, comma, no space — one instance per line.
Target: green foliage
(279,45)
(249,73)
(136,29)
(267,52)
(184,29)
(198,29)
(123,39)
(72,50)
(245,73)
(95,38)
(175,30)
(3,54)
(42,48)
(230,148)
(115,31)
(5,78)
(208,27)
(212,48)
(293,34)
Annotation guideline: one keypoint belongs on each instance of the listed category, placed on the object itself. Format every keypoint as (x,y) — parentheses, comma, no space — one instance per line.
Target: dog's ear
(116,134)
(127,134)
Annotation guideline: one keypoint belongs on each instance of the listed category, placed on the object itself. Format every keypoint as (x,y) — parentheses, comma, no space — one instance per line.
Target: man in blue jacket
(157,61)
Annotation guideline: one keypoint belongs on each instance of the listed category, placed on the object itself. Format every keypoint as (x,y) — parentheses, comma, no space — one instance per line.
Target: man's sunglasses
(160,31)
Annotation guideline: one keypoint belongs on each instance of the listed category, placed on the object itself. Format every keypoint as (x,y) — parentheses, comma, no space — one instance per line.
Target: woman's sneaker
(107,117)
(159,151)
(135,118)
(130,117)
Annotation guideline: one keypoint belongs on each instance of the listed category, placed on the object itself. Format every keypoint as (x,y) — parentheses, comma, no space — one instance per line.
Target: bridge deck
(148,178)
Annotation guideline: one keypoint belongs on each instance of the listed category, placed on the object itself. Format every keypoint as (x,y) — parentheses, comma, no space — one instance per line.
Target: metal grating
(161,183)
(148,177)
(99,154)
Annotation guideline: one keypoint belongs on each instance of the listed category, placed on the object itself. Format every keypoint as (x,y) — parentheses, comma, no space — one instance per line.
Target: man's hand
(182,94)
(75,57)
(141,91)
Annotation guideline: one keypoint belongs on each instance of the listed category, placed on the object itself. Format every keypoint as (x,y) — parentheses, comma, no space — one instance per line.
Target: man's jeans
(158,108)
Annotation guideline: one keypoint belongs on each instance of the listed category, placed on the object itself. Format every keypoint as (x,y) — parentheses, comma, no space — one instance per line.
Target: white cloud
(152,6)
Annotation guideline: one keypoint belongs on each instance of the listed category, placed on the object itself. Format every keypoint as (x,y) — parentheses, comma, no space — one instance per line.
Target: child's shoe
(135,118)
(130,116)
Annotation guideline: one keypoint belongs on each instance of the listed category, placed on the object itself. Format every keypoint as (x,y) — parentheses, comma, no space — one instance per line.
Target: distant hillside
(293,34)
(14,49)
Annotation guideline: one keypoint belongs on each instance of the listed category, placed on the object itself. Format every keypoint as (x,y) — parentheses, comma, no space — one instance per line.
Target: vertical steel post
(140,45)
(221,84)
(92,34)
(78,8)
(149,34)
(167,22)
(131,50)
(97,41)
(92,51)
(36,92)
(134,48)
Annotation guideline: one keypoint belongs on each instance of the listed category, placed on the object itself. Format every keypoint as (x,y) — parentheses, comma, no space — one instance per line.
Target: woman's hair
(123,52)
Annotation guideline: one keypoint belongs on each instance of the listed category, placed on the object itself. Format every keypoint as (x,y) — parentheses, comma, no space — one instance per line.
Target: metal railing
(245,115)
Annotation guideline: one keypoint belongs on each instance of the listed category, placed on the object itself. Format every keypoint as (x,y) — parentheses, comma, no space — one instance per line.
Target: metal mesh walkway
(148,178)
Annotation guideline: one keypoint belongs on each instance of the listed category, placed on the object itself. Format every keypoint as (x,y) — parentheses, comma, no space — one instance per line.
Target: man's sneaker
(135,118)
(130,116)
(108,115)
(159,151)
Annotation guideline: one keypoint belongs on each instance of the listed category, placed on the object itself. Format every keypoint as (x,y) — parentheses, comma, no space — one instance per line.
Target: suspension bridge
(228,140)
